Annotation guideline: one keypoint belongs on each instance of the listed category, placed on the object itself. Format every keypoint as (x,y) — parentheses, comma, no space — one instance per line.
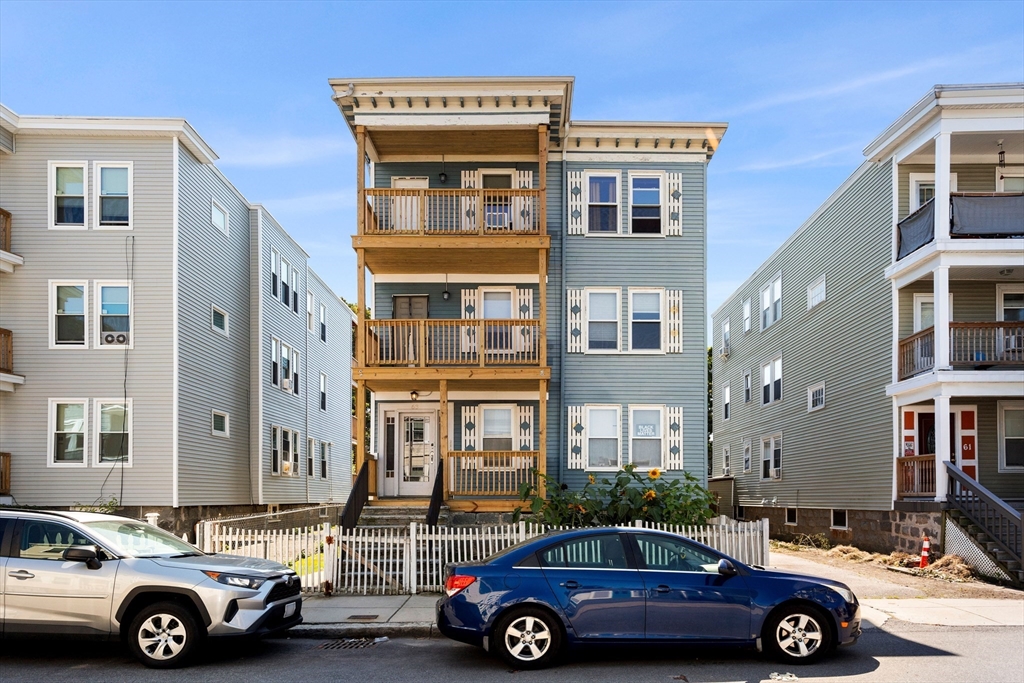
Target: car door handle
(570,584)
(21,574)
(663,589)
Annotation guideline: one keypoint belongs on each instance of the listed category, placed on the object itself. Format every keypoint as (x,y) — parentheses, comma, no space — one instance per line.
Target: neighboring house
(142,303)
(902,297)
(537,287)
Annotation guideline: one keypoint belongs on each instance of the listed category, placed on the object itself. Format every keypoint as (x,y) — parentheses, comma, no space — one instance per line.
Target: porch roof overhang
(443,253)
(424,380)
(929,385)
(956,253)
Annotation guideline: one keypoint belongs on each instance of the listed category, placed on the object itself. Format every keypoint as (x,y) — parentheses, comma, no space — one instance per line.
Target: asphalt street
(896,653)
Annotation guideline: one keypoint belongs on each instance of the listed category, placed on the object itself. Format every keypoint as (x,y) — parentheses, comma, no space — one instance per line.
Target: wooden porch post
(542,177)
(360,308)
(542,265)
(542,435)
(542,280)
(360,179)
(443,434)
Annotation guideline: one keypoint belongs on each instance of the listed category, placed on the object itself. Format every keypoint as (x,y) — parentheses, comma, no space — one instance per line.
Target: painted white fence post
(411,558)
(638,524)
(764,542)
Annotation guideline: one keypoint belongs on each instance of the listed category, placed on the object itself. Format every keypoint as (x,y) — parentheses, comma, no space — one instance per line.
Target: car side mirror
(726,568)
(83,553)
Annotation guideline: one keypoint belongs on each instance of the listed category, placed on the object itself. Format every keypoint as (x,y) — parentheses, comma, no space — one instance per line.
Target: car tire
(798,634)
(528,638)
(164,635)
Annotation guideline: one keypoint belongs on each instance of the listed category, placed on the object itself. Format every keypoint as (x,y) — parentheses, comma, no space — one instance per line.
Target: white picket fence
(401,561)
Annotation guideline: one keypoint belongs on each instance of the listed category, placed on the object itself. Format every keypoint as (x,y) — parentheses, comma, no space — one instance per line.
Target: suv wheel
(798,634)
(528,638)
(163,635)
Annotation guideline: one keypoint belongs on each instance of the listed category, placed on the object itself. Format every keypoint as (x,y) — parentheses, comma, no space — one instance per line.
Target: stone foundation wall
(910,528)
(464,519)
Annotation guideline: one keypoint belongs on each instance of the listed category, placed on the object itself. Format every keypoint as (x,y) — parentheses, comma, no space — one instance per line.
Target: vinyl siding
(90,373)
(437,307)
(213,269)
(969,178)
(973,301)
(6,141)
(839,456)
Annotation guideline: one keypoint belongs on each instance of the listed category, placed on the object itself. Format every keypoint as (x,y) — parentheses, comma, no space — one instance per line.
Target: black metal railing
(357,499)
(982,507)
(437,495)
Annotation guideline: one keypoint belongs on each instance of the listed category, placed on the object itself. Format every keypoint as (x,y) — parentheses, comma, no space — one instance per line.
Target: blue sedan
(530,602)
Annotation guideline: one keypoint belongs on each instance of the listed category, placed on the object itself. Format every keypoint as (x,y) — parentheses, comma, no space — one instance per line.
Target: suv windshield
(138,539)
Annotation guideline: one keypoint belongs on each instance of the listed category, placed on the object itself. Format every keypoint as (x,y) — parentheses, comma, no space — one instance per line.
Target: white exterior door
(416,445)
(405,209)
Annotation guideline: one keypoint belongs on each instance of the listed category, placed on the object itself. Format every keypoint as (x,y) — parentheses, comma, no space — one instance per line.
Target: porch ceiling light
(442,176)
(1002,155)
(414,394)
(1005,272)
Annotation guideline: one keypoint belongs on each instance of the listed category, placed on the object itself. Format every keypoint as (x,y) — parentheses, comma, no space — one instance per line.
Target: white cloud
(318,202)
(283,150)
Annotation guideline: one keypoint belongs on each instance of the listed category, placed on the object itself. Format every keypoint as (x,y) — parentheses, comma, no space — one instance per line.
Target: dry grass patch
(952,567)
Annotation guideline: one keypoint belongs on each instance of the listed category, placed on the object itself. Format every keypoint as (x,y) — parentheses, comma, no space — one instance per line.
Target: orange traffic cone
(925,547)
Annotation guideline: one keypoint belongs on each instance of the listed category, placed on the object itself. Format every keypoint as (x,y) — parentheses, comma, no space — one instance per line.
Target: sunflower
(650,494)
(591,478)
(654,474)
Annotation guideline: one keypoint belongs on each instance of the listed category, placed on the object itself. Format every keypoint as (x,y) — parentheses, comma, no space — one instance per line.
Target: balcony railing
(435,342)
(5,474)
(490,473)
(976,345)
(451,212)
(973,215)
(915,476)
(6,352)
(5,230)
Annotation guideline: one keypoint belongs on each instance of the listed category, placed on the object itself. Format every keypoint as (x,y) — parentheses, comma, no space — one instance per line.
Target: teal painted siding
(437,307)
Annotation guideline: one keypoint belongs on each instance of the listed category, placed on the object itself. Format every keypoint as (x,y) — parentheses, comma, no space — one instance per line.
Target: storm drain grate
(347,644)
(363,617)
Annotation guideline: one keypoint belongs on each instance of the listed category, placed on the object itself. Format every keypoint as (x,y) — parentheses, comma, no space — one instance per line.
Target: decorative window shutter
(674,458)
(675,204)
(577,433)
(574,320)
(525,438)
(523,337)
(576,208)
(468,213)
(522,207)
(470,309)
(470,429)
(675,320)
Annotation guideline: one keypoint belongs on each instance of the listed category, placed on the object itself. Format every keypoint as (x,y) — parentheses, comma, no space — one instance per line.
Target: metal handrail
(357,499)
(982,507)
(436,495)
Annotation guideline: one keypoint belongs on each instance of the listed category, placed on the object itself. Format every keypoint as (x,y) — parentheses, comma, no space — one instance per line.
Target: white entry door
(405,208)
(417,453)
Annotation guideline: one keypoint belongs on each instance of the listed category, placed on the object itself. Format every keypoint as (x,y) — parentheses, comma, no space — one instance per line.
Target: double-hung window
(68,314)
(771,457)
(816,292)
(747,387)
(113,195)
(726,338)
(309,310)
(323,323)
(771,302)
(113,314)
(603,431)
(114,432)
(219,216)
(286,291)
(645,195)
(771,381)
(1010,418)
(726,464)
(646,436)
(284,451)
(289,369)
(323,391)
(602,203)
(275,362)
(275,261)
(275,450)
(67,446)
(746,316)
(295,291)
(497,434)
(746,455)
(645,317)
(310,453)
(726,401)
(67,195)
(325,456)
(603,311)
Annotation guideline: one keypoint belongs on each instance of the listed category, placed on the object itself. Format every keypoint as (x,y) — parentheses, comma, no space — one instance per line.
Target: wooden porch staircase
(397,513)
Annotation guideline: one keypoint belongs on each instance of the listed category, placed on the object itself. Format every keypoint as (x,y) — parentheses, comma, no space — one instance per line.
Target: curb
(411,629)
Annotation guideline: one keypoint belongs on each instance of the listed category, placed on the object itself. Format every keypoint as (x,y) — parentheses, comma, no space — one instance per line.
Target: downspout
(306,376)
(561,347)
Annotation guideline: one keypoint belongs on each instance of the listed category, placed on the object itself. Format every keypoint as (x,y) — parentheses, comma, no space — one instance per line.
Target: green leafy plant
(618,500)
(107,507)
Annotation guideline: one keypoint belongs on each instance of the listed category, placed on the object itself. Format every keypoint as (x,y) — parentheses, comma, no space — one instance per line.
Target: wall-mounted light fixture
(1006,272)
(1002,155)
(446,294)
(442,176)
(414,394)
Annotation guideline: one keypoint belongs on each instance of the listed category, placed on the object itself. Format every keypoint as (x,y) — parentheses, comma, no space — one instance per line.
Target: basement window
(839,519)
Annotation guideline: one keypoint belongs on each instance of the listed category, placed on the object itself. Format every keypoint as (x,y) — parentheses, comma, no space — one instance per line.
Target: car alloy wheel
(799,635)
(528,638)
(162,636)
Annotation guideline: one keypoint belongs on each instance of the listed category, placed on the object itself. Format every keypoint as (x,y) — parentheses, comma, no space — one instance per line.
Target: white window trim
(275,443)
(748,455)
(322,332)
(1001,292)
(796,516)
(227,321)
(831,520)
(96,432)
(98,285)
(746,309)
(511,291)
(606,173)
(663,322)
(771,392)
(921,297)
(296,455)
(324,458)
(617,291)
(51,187)
(52,426)
(586,436)
(726,327)
(662,184)
(726,401)
(214,204)
(1001,406)
(1008,172)
(726,461)
(771,301)
(322,402)
(771,457)
(275,271)
(664,429)
(227,424)
(309,310)
(275,349)
(916,179)
(52,310)
(748,378)
(810,392)
(820,280)
(97,167)
(511,407)
(310,452)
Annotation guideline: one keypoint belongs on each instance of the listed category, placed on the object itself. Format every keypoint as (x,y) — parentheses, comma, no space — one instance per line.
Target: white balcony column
(942,315)
(895,332)
(942,187)
(942,446)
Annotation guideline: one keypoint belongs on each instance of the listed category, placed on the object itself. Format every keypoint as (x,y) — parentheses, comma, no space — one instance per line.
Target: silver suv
(85,574)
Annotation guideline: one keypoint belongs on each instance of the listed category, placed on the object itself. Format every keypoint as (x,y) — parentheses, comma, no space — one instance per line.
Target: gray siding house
(536,284)
(137,319)
(901,298)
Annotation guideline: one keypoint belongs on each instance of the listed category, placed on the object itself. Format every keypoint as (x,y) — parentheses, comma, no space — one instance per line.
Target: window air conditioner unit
(724,351)
(776,473)
(111,338)
(286,467)
(286,383)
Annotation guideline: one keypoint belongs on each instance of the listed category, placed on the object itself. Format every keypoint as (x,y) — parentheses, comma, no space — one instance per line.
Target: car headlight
(236,580)
(846,594)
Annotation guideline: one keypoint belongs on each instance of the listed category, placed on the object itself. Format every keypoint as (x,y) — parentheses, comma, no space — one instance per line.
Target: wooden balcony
(5,474)
(454,212)
(8,259)
(452,343)
(6,352)
(489,474)
(915,476)
(976,346)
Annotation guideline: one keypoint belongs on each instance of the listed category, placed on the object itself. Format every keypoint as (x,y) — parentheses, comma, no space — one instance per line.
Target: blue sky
(804,87)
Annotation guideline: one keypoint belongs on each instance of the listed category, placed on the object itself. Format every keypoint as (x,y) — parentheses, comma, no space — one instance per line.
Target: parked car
(530,602)
(92,575)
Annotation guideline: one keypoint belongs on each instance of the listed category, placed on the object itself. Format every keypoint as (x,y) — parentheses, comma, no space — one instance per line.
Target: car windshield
(138,539)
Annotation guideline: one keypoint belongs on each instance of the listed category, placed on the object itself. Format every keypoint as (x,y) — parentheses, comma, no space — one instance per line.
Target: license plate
(289,609)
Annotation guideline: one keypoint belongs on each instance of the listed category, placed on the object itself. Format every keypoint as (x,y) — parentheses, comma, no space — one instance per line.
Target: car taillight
(456,584)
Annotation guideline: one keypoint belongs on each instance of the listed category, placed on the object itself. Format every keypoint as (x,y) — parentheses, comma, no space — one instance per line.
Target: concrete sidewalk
(368,616)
